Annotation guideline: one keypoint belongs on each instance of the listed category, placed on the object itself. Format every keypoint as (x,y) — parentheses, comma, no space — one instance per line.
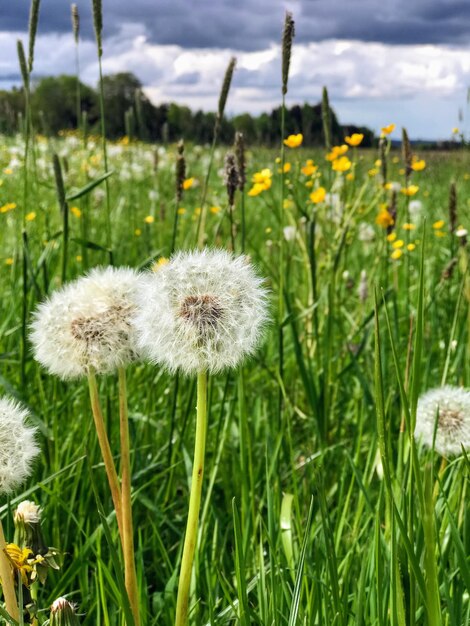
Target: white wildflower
(203,311)
(289,233)
(86,325)
(18,447)
(450,407)
(366,232)
(461,232)
(415,208)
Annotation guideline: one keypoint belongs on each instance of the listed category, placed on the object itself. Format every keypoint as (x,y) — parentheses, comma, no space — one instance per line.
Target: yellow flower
(409,226)
(188,183)
(401,171)
(378,162)
(215,209)
(355,139)
(160,263)
(309,168)
(373,172)
(455,130)
(182,210)
(137,232)
(391,237)
(197,210)
(337,151)
(399,243)
(411,190)
(150,219)
(262,176)
(439,233)
(268,230)
(388,130)
(9,261)
(309,183)
(350,176)
(19,558)
(9,206)
(30,216)
(287,167)
(318,195)
(78,258)
(418,165)
(396,254)
(257,189)
(384,219)
(411,247)
(288,204)
(438,225)
(8,171)
(294,141)
(76,211)
(343,164)
(277,160)
(395,160)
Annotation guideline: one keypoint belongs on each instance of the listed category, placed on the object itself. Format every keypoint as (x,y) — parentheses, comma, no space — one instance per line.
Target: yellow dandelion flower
(337,151)
(350,176)
(257,189)
(396,254)
(277,160)
(439,233)
(401,171)
(411,190)
(373,172)
(399,243)
(76,211)
(388,130)
(294,141)
(410,247)
(9,261)
(188,183)
(309,184)
(418,165)
(309,169)
(29,217)
(391,237)
(182,210)
(409,226)
(137,232)
(355,139)
(215,209)
(384,219)
(378,162)
(395,160)
(150,219)
(318,195)
(78,258)
(438,225)
(8,171)
(268,230)
(287,167)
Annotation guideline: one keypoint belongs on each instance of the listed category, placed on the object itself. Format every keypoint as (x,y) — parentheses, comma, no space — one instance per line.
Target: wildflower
(408,226)
(28,512)
(350,176)
(203,311)
(373,172)
(9,261)
(418,165)
(30,216)
(75,211)
(262,181)
(395,160)
(63,613)
(188,183)
(396,254)
(85,326)
(439,233)
(336,152)
(268,230)
(392,186)
(411,190)
(294,141)
(181,211)
(215,209)
(445,411)
(287,204)
(158,264)
(257,189)
(21,559)
(461,232)
(415,207)
(391,237)
(149,219)
(355,139)
(366,232)
(318,195)
(410,247)
(343,164)
(197,211)
(309,168)
(289,233)
(438,225)
(18,447)
(388,130)
(384,219)
(137,232)
(455,130)
(399,243)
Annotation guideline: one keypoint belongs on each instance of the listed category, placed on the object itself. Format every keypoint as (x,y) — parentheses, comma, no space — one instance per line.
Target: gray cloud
(256,24)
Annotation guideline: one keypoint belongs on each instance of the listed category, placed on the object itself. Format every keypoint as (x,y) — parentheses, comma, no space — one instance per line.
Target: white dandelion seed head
(18,447)
(28,512)
(450,406)
(203,311)
(86,325)
(62,605)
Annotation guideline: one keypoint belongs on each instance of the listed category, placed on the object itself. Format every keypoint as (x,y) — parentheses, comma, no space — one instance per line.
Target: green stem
(105,450)
(6,577)
(127,526)
(105,158)
(190,540)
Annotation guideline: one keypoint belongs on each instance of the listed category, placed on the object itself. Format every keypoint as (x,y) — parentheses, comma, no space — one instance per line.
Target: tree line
(63,103)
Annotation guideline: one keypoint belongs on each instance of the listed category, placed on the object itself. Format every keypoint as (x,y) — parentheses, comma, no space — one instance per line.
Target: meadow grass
(316,510)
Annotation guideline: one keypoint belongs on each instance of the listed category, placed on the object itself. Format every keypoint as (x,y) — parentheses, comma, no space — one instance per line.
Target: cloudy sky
(401,61)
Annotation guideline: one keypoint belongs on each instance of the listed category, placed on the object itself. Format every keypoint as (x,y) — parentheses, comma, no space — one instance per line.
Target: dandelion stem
(105,449)
(6,577)
(190,539)
(127,526)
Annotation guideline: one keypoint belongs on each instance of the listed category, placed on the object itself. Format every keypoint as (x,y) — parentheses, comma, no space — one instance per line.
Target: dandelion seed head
(28,512)
(203,311)
(450,406)
(18,447)
(86,325)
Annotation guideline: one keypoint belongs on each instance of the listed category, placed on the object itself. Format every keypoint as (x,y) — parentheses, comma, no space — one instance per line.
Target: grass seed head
(287,38)
(203,311)
(231,177)
(75,22)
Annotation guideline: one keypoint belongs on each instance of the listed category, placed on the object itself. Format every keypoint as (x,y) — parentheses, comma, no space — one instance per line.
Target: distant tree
(11,105)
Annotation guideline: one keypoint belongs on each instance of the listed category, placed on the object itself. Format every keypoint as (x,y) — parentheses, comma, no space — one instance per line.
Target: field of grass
(315,509)
(319,506)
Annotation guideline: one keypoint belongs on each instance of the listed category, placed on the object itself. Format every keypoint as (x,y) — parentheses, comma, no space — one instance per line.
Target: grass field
(303,520)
